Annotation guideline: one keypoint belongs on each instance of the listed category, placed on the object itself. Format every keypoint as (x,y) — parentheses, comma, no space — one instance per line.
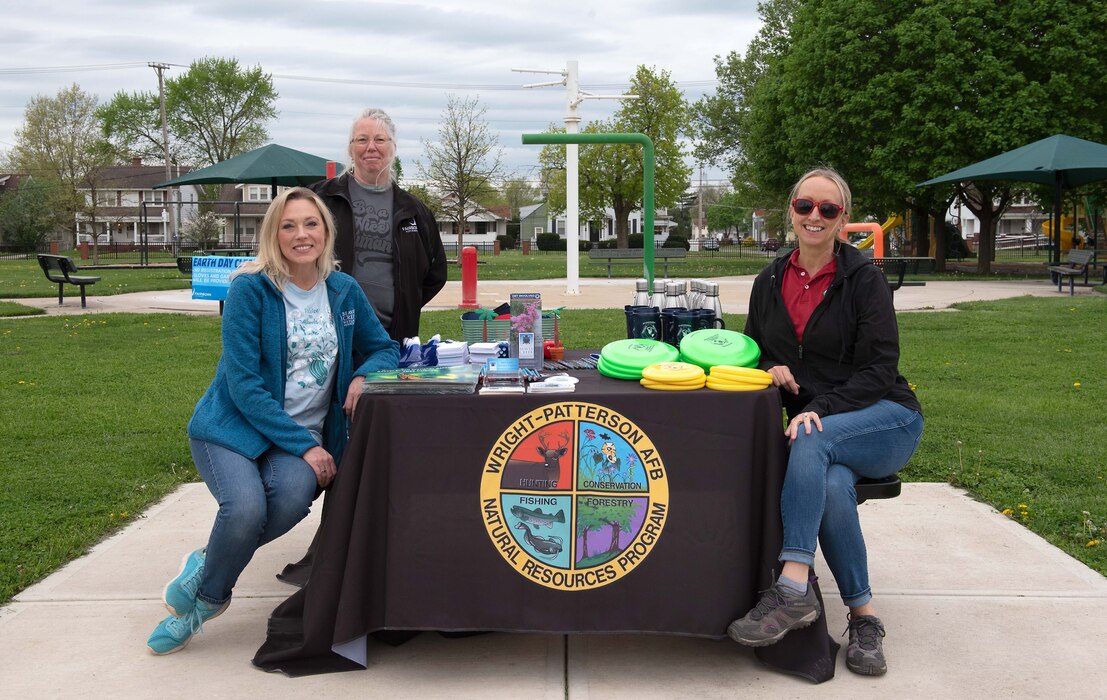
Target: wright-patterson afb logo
(574,495)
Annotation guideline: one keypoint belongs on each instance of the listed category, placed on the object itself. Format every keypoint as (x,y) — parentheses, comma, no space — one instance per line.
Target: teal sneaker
(180,593)
(173,633)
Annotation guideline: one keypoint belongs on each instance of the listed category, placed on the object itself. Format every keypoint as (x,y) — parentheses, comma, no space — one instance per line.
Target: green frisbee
(710,346)
(635,354)
(617,373)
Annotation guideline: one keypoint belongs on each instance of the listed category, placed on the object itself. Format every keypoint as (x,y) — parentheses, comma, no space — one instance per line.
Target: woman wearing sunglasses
(824,320)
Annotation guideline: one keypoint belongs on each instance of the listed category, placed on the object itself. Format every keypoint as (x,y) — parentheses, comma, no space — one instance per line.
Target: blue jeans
(259,500)
(818,501)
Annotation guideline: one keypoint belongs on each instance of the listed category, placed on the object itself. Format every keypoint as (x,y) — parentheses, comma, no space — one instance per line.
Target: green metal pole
(647,178)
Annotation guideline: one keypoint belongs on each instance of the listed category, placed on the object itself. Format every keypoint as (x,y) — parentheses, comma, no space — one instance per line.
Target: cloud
(322,54)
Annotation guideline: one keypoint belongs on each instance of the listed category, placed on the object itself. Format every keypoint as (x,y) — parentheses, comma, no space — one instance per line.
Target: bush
(676,242)
(636,240)
(550,241)
(506,242)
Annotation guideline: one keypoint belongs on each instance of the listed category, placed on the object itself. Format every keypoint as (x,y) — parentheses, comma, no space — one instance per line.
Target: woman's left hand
(352,395)
(805,419)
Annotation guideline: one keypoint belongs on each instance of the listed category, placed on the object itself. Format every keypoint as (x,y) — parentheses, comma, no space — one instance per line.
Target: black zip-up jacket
(849,357)
(418,259)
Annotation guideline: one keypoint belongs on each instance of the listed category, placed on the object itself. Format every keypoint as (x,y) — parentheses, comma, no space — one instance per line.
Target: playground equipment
(894,221)
(1066,232)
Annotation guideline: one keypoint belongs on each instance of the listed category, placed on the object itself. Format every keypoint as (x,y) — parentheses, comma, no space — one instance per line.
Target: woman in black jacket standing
(824,320)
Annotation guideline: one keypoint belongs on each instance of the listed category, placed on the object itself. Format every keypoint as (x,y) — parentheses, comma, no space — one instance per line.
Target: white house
(125,197)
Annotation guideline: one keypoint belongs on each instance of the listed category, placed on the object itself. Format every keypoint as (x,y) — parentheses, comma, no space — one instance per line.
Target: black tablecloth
(407,543)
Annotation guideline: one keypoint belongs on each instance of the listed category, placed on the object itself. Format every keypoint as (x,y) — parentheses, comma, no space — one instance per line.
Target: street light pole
(573,97)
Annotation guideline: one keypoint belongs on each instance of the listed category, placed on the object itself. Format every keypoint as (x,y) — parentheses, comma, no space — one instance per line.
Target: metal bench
(184,265)
(894,270)
(888,487)
(63,271)
(618,256)
(1078,262)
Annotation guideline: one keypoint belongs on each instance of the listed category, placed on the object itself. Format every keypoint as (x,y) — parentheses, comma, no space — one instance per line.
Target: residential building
(599,231)
(481,227)
(533,220)
(124,200)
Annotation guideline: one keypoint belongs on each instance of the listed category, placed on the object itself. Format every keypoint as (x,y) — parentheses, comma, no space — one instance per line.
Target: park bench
(875,489)
(618,256)
(60,269)
(1078,262)
(184,265)
(895,268)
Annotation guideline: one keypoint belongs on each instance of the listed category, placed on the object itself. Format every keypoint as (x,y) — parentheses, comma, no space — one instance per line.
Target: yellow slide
(893,221)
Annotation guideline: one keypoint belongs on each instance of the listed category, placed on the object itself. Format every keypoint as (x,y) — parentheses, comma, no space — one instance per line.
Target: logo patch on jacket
(409,227)
(348,317)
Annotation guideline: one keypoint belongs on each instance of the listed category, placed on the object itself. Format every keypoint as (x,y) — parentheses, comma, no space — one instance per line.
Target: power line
(70,69)
(345,81)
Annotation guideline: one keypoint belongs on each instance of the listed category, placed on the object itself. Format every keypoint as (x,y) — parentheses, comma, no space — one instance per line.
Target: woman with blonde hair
(824,320)
(268,434)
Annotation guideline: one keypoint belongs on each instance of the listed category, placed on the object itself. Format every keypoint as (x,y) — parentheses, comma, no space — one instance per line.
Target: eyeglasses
(363,141)
(827,210)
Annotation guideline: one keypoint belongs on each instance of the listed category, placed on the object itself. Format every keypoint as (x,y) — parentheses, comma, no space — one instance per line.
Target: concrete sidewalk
(594,293)
(974,604)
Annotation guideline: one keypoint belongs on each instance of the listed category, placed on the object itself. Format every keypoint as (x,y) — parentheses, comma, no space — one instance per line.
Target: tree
(855,84)
(464,161)
(60,140)
(611,175)
(215,110)
(203,229)
(423,195)
(518,193)
(32,212)
(727,213)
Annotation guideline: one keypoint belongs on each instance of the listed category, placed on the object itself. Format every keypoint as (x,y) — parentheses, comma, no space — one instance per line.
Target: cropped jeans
(818,502)
(259,500)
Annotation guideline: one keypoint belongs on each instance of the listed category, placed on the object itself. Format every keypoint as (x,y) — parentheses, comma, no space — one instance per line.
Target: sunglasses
(827,210)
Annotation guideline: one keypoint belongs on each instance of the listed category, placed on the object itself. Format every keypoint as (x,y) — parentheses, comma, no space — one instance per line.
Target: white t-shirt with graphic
(312,349)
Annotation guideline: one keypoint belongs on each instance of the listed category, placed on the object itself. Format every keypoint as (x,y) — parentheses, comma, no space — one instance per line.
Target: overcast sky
(330,58)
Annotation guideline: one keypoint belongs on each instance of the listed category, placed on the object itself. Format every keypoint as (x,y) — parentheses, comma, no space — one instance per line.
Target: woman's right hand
(322,464)
(783,379)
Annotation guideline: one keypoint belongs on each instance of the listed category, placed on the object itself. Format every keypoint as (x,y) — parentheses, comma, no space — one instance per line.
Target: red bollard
(332,169)
(468,278)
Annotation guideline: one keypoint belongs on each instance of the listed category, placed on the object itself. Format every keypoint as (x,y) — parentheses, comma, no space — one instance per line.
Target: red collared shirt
(803,292)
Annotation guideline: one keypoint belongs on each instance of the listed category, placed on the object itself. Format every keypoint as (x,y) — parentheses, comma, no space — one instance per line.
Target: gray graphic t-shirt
(312,350)
(373,246)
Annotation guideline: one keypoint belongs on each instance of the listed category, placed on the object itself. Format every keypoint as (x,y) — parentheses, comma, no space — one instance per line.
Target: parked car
(710,244)
(770,244)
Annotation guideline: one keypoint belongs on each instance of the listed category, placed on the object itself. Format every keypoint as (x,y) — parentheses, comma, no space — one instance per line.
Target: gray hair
(381,117)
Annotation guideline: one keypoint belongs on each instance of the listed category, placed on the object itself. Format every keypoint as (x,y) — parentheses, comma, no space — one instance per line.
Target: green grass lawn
(22,279)
(10,308)
(95,407)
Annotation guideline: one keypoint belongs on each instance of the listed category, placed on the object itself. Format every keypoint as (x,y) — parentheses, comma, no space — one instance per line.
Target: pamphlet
(462,379)
(526,329)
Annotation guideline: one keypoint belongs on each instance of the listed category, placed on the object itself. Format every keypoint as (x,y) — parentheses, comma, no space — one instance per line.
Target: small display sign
(211,275)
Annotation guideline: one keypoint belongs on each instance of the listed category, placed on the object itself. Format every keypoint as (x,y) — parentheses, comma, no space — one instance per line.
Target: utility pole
(160,68)
(573,97)
(699,215)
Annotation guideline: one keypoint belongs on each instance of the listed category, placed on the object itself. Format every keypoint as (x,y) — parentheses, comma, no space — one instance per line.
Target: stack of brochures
(424,380)
(452,353)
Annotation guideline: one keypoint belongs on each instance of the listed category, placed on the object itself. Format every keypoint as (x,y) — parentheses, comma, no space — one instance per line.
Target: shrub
(550,241)
(676,242)
(506,242)
(636,240)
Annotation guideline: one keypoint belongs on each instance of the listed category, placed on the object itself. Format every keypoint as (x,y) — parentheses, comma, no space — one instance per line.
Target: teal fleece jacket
(243,409)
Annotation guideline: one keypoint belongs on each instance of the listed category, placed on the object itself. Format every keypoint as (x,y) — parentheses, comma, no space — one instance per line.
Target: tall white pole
(572,181)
